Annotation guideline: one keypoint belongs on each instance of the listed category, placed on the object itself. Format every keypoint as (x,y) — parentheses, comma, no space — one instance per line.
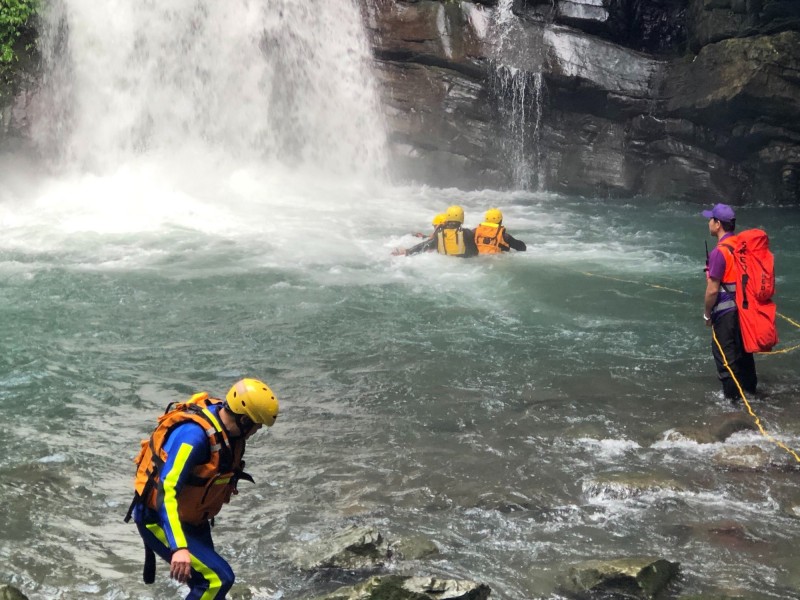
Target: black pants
(729,336)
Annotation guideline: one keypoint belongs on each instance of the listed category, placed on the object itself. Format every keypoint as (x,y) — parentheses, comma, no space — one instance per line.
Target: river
(483,403)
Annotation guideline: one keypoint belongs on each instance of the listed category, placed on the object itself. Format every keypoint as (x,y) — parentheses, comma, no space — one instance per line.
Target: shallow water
(482,403)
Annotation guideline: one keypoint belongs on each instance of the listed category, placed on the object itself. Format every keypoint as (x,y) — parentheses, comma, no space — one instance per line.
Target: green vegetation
(15,16)
(17,40)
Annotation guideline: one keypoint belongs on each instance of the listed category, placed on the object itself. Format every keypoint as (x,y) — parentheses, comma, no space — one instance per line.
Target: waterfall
(267,80)
(519,96)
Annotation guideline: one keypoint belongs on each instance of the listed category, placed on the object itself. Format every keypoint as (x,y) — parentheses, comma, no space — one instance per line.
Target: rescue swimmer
(437,222)
(450,237)
(188,468)
(492,238)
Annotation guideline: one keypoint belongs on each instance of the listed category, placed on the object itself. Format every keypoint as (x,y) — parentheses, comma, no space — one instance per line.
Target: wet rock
(414,548)
(634,577)
(411,588)
(621,486)
(728,534)
(356,548)
(8,592)
(744,458)
(360,549)
(718,429)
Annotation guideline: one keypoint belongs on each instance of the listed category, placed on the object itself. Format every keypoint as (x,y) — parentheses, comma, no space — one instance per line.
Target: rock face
(680,99)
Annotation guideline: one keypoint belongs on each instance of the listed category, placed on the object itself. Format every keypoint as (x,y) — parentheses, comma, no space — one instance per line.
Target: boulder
(719,428)
(633,577)
(396,587)
(742,458)
(356,548)
(8,592)
(622,486)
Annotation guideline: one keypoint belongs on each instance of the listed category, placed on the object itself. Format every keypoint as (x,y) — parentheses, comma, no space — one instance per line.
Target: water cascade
(519,97)
(245,79)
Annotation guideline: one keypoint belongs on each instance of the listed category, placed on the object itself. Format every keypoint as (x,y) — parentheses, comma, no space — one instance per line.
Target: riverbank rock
(635,577)
(8,592)
(395,587)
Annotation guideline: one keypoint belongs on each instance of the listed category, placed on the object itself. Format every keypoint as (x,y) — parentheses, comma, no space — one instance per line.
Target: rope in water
(725,358)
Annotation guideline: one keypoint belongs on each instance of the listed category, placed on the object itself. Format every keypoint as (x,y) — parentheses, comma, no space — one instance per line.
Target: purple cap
(720,212)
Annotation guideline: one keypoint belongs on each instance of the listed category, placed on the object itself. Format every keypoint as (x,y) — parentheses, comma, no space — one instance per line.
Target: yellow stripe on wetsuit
(171,496)
(214,582)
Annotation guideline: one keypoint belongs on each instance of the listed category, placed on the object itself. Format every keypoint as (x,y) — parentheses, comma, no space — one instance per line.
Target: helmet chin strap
(238,419)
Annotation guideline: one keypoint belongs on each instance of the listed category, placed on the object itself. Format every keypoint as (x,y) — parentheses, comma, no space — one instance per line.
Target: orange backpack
(754,265)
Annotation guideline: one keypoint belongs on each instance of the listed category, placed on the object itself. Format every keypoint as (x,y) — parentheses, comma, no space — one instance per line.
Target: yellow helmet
(254,399)
(455,213)
(439,219)
(493,215)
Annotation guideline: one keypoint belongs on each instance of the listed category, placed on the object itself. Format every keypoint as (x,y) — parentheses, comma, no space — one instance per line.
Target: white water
(186,231)
(276,81)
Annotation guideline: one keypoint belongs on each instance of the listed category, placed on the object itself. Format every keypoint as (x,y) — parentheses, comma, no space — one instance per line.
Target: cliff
(674,99)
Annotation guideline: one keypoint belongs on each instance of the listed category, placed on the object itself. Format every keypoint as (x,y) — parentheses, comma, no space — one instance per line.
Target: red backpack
(755,285)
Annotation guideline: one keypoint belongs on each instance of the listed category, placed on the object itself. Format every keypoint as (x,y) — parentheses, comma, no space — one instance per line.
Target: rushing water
(483,403)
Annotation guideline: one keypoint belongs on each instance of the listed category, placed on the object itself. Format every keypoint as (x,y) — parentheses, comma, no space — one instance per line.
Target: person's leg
(212,577)
(726,352)
(729,348)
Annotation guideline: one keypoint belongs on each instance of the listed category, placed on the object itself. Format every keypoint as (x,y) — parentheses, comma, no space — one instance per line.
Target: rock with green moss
(8,592)
(640,578)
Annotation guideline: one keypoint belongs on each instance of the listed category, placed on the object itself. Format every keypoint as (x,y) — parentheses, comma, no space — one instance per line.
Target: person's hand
(420,235)
(707,320)
(398,252)
(180,567)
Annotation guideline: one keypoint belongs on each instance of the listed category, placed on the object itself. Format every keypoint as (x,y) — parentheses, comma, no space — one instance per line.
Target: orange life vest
(489,238)
(212,483)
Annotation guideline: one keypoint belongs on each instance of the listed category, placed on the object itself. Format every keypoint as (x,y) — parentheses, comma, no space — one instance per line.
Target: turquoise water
(480,403)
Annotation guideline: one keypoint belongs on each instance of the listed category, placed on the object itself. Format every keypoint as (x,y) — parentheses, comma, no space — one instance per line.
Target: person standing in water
(720,311)
(188,468)
(492,238)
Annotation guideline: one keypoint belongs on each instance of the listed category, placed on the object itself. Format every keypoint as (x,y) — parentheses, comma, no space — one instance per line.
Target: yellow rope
(725,358)
(747,404)
(663,287)
(652,285)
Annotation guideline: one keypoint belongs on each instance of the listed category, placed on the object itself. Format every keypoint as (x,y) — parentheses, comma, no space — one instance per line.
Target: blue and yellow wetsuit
(187,447)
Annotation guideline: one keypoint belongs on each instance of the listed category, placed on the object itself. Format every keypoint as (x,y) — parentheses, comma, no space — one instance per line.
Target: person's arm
(712,290)
(716,269)
(513,242)
(470,247)
(428,244)
(186,447)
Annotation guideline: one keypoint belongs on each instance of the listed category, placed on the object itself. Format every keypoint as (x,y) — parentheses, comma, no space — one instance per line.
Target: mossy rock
(8,592)
(634,577)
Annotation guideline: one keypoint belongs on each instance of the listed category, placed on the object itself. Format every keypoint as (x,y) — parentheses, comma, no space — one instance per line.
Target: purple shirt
(717,261)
